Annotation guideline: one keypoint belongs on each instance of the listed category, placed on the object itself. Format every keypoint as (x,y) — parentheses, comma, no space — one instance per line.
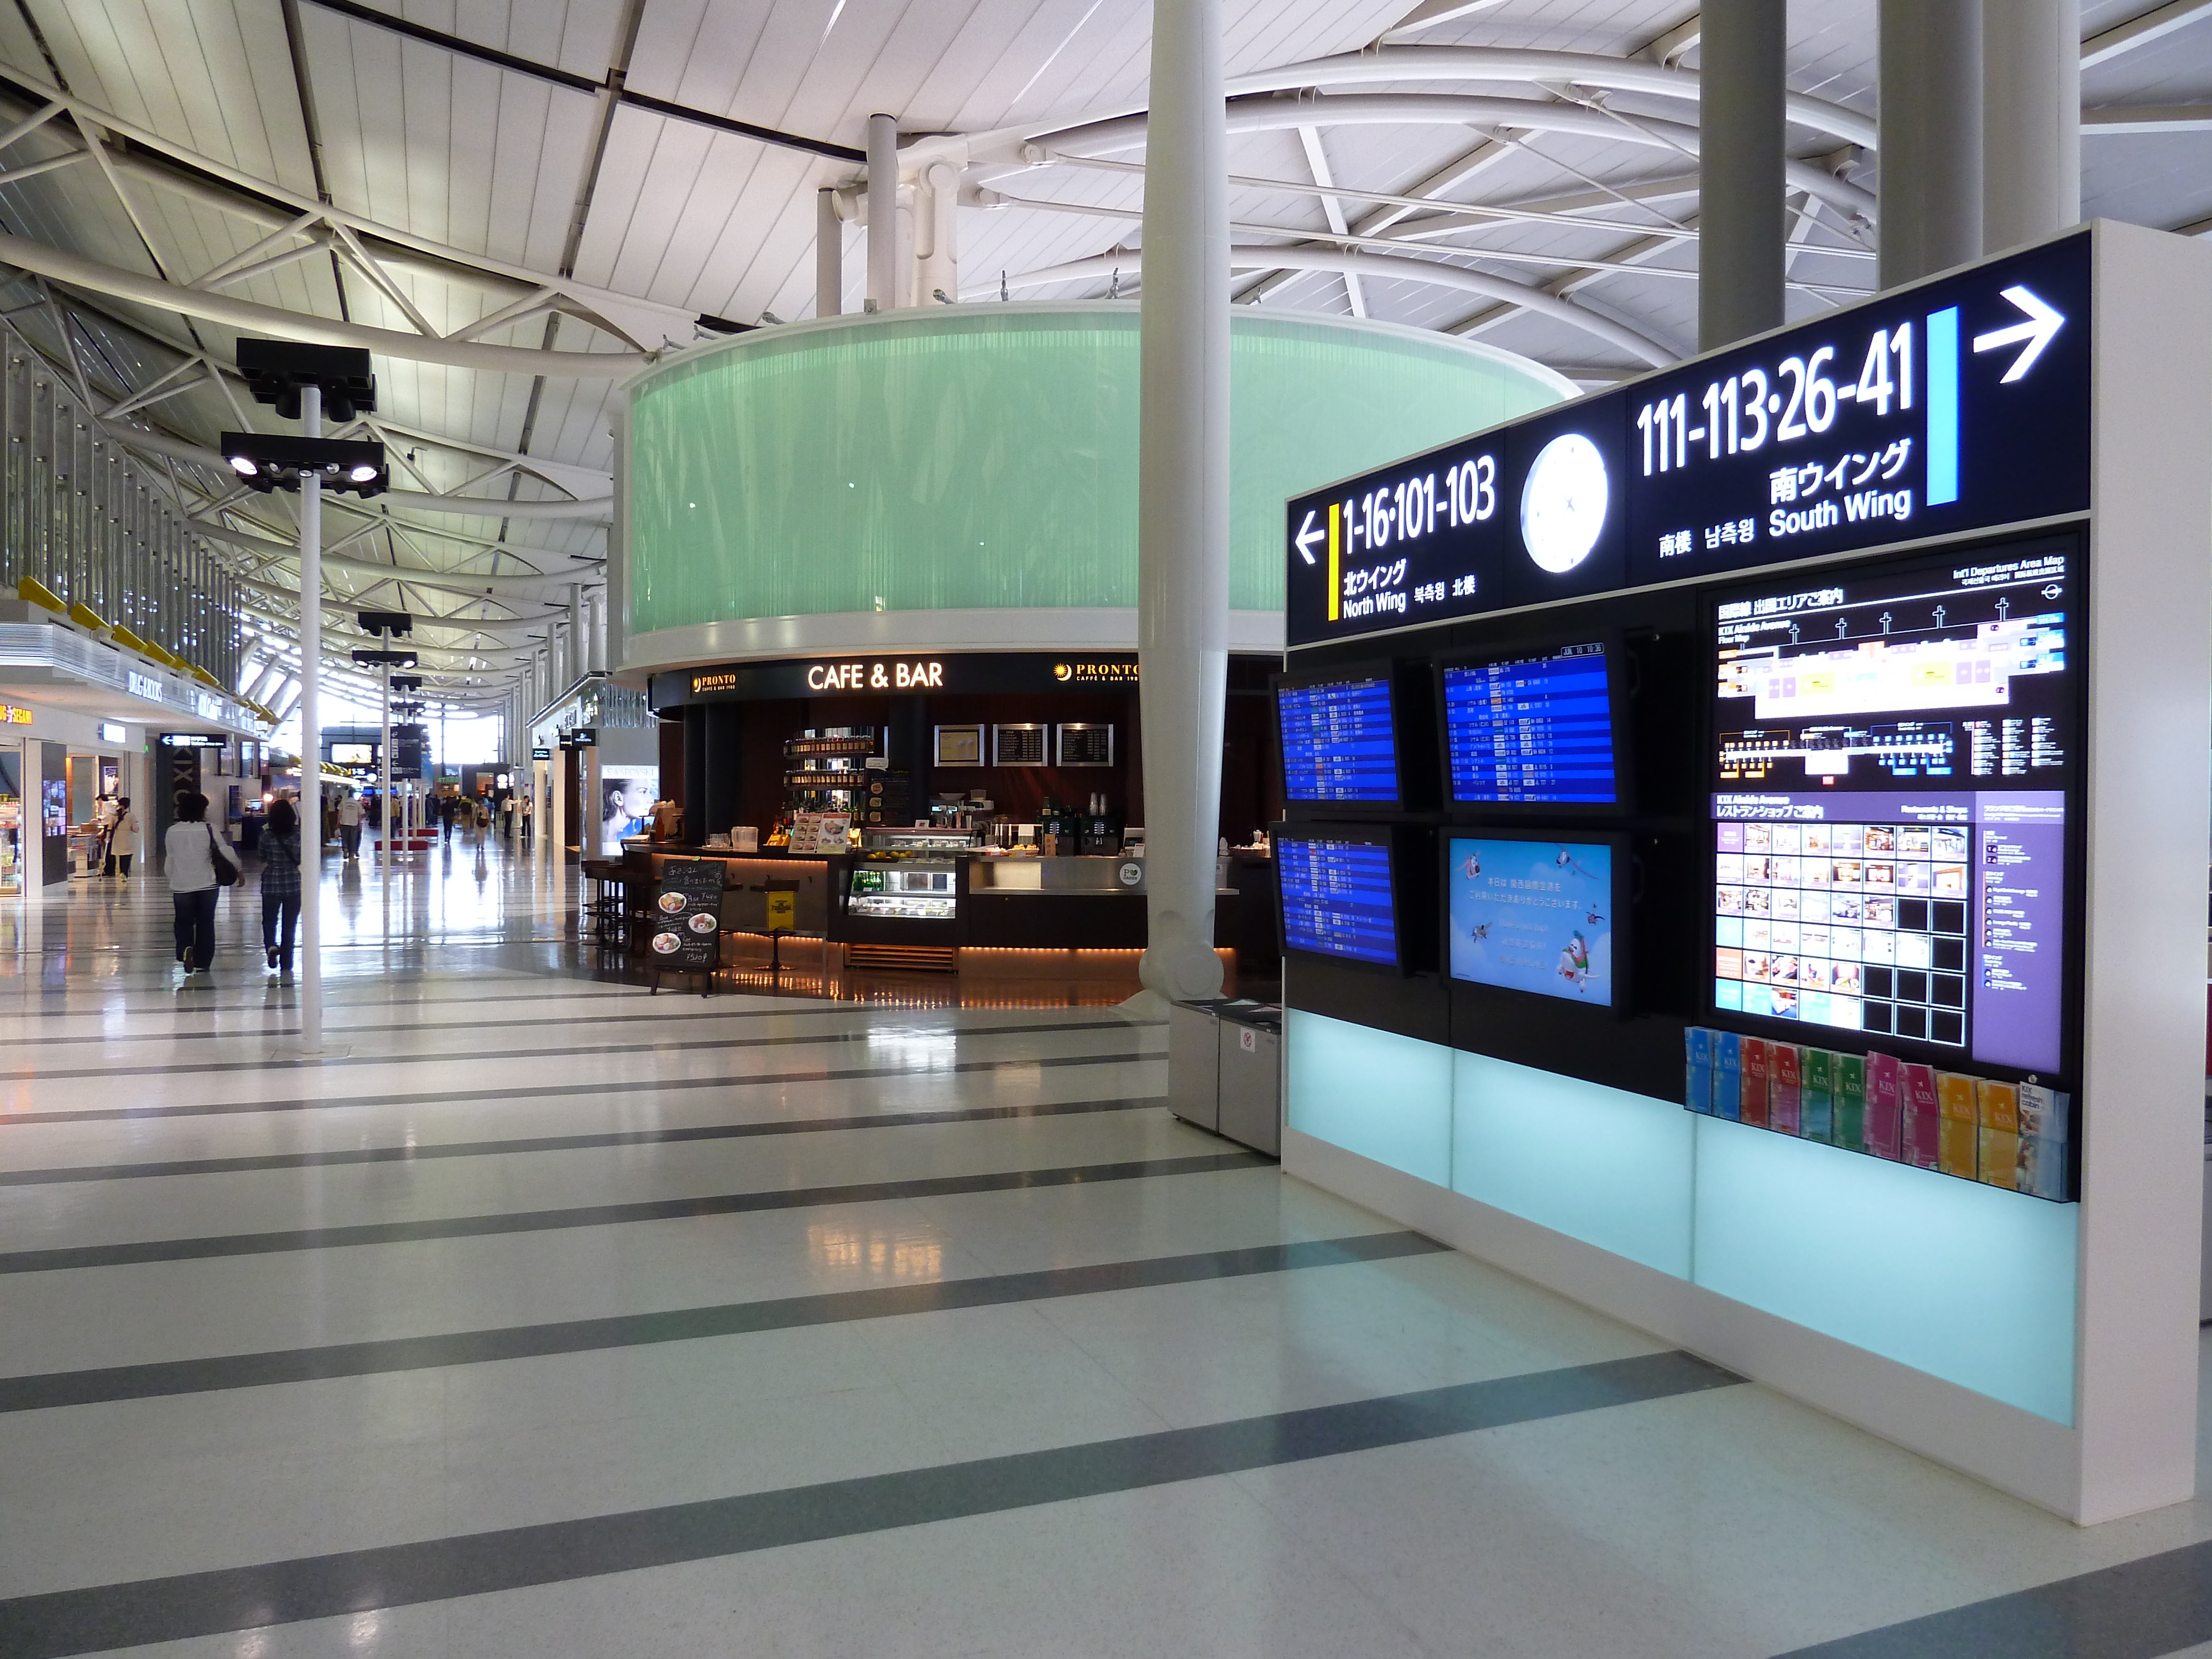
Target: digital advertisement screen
(1339,744)
(626,798)
(1533,730)
(1338,899)
(1894,752)
(1533,915)
(353,754)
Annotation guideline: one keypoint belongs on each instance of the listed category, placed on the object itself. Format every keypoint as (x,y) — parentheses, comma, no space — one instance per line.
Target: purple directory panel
(1934,917)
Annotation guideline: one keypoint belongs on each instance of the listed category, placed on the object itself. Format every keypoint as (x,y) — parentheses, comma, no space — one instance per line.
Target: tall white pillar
(1739,170)
(578,640)
(883,212)
(2031,122)
(936,236)
(1931,137)
(311,735)
(595,658)
(829,255)
(1182,494)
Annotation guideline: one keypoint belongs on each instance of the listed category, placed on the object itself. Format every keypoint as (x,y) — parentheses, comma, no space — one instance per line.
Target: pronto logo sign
(723,681)
(1094,673)
(875,675)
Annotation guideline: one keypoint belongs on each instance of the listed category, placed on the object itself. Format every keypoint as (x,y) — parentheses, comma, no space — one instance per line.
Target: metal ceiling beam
(2121,119)
(1451,109)
(60,266)
(1381,267)
(2141,30)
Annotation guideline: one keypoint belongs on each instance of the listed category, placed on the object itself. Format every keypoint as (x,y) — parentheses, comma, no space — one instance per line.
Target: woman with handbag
(199,867)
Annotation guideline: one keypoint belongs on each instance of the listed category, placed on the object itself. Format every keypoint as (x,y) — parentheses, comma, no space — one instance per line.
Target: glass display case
(908,889)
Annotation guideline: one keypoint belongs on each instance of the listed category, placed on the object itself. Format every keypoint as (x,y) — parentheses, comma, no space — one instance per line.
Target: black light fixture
(386,622)
(277,369)
(406,682)
(384,659)
(270,461)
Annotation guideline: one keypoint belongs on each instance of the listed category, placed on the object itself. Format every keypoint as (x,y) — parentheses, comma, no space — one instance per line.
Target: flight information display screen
(1894,754)
(1339,741)
(1338,899)
(1532,730)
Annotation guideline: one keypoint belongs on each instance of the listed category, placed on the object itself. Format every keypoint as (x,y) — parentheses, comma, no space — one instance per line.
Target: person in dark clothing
(280,885)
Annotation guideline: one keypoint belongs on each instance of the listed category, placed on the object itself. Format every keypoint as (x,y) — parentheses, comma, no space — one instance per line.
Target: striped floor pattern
(543,1316)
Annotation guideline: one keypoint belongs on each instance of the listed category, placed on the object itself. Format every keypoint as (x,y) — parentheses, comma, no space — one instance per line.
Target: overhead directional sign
(1957,406)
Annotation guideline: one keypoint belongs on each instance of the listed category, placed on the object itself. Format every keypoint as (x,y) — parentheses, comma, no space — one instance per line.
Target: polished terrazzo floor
(541,1317)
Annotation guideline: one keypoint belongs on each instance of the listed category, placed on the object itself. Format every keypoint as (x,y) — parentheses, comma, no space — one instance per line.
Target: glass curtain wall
(82,515)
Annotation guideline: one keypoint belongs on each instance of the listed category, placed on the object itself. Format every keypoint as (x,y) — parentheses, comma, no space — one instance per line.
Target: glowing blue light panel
(1338,741)
(1337,899)
(1535,730)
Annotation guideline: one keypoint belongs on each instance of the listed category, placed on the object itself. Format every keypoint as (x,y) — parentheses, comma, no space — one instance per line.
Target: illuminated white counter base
(1890,1296)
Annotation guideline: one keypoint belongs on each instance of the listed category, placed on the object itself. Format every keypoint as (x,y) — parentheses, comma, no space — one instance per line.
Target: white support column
(311,736)
(1931,137)
(936,236)
(829,255)
(1740,170)
(883,212)
(2031,122)
(1182,494)
(595,658)
(578,640)
(387,819)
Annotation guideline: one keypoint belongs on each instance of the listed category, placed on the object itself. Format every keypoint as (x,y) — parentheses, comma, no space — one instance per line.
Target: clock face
(1563,504)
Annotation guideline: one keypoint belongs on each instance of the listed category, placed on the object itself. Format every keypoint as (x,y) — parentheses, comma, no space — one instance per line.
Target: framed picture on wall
(959,746)
(1018,745)
(1087,743)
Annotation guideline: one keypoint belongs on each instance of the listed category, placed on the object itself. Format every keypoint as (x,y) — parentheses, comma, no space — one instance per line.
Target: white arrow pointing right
(2042,325)
(1307,537)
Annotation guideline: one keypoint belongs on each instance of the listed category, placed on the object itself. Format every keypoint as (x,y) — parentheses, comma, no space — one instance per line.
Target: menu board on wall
(687,915)
(1086,745)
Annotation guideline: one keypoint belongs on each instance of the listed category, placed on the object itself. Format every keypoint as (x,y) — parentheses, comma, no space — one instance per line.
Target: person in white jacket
(122,839)
(191,852)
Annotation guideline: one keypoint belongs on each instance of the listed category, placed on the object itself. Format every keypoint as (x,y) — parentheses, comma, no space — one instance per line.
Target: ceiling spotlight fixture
(270,461)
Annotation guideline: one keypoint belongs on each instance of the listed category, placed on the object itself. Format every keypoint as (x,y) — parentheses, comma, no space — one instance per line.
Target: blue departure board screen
(1337,899)
(1338,741)
(1532,730)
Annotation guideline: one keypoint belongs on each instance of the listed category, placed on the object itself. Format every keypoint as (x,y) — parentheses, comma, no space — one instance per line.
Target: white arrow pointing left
(2043,324)
(1307,536)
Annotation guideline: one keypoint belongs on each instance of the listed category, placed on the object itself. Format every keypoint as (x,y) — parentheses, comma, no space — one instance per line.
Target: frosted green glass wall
(986,456)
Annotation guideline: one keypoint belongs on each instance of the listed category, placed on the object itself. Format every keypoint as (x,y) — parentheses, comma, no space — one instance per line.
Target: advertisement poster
(626,798)
(820,832)
(687,921)
(1534,916)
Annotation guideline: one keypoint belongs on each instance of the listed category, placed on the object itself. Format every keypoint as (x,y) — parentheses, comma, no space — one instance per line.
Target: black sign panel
(878,673)
(687,916)
(1954,407)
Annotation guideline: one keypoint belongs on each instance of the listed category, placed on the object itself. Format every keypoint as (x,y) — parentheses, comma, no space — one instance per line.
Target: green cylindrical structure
(983,458)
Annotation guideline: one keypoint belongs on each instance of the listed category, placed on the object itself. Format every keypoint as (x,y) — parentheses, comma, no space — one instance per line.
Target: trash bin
(1193,1063)
(1250,1084)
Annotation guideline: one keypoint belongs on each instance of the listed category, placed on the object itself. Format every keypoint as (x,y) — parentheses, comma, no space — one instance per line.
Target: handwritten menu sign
(687,915)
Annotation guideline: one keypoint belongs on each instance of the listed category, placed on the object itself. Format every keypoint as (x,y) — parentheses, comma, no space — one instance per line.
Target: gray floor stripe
(2140,1609)
(72,1257)
(253,1370)
(302,1063)
(68,1622)
(636,1016)
(782,1126)
(529,1093)
(95,994)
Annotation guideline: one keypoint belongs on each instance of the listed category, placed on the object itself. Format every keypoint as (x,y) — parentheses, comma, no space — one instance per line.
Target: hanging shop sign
(1954,407)
(897,674)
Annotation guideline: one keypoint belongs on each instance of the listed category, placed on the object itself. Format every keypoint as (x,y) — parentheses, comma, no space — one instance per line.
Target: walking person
(199,866)
(280,886)
(350,824)
(122,839)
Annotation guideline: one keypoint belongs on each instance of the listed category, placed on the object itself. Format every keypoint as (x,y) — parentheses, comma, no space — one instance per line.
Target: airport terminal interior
(957,829)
